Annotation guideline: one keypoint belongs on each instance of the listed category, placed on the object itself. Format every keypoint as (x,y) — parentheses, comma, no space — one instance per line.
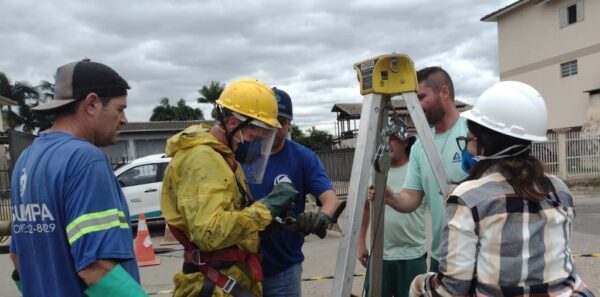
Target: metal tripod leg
(369,131)
(390,75)
(368,138)
(377,218)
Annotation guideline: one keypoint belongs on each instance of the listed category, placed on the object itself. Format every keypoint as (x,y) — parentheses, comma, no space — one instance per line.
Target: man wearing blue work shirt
(282,249)
(71,233)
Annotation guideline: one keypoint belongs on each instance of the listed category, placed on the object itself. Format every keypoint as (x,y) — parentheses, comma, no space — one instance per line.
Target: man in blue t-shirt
(71,233)
(282,249)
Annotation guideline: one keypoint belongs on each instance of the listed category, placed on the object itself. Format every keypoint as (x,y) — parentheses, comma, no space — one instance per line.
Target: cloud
(308,48)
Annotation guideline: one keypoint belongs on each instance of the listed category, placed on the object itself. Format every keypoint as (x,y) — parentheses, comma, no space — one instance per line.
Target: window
(571,13)
(145,174)
(568,68)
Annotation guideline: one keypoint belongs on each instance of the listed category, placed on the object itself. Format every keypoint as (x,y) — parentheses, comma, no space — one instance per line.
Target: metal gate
(18,142)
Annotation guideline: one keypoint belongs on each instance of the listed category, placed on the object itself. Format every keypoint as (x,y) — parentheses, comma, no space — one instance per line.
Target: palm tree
(163,112)
(186,113)
(211,93)
(47,89)
(26,97)
(180,112)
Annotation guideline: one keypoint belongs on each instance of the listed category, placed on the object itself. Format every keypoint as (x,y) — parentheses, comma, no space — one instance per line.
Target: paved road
(322,254)
(320,261)
(586,236)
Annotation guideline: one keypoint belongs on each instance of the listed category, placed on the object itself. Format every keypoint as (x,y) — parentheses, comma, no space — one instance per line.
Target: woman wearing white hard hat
(507,226)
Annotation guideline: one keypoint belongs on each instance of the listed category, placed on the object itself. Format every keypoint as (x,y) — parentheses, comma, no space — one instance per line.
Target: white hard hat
(512,108)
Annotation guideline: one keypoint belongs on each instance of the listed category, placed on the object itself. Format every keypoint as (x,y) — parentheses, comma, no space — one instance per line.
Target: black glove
(313,222)
(17,279)
(280,199)
(278,223)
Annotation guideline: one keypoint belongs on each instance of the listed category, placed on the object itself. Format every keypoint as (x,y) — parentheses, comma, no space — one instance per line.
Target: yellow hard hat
(251,98)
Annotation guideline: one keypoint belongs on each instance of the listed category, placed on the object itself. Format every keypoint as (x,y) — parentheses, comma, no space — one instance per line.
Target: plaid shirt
(496,243)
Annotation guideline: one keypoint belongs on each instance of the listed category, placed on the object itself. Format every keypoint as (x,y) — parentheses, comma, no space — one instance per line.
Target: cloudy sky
(172,48)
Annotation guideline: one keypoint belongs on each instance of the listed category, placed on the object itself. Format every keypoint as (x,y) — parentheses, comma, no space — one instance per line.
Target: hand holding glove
(280,199)
(313,222)
(17,279)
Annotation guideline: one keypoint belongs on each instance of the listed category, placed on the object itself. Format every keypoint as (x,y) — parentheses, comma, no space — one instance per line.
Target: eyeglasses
(463,141)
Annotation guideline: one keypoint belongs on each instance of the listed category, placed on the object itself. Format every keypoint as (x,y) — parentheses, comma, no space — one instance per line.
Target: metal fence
(581,155)
(572,156)
(5,170)
(547,153)
(18,141)
(5,176)
(338,164)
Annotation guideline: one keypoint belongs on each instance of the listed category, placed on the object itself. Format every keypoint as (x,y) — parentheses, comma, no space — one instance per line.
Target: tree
(180,112)
(211,93)
(316,140)
(47,90)
(185,113)
(26,97)
(297,134)
(163,112)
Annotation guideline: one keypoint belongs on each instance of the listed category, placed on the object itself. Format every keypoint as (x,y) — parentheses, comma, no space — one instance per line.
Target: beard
(435,114)
(277,142)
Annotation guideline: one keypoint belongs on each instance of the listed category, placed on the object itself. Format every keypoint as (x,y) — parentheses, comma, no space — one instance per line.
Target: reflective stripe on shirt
(94,222)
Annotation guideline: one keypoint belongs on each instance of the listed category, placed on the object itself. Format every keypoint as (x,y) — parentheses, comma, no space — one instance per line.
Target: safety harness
(209,263)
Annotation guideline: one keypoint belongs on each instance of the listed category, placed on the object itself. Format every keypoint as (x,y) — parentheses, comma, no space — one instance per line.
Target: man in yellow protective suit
(205,198)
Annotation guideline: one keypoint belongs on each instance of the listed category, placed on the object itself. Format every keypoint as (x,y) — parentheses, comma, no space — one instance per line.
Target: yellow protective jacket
(200,196)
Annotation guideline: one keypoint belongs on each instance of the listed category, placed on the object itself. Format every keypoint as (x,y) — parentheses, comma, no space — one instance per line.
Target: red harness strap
(231,254)
(202,260)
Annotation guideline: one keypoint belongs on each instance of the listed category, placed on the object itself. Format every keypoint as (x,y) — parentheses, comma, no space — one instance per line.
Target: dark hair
(435,77)
(71,108)
(524,172)
(222,114)
(409,143)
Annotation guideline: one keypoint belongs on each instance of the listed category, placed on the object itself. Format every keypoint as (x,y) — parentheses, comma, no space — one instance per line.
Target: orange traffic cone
(168,239)
(144,251)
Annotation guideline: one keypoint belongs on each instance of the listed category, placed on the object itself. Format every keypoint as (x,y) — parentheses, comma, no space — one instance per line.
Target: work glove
(17,279)
(313,222)
(282,220)
(280,199)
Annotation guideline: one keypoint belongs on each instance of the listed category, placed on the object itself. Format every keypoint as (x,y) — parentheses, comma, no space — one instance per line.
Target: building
(4,101)
(135,140)
(348,116)
(554,45)
(139,139)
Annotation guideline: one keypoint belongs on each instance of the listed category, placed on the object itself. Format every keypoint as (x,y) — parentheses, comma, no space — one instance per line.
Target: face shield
(254,148)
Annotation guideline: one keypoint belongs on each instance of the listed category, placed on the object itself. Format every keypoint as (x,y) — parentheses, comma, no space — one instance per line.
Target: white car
(141,182)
